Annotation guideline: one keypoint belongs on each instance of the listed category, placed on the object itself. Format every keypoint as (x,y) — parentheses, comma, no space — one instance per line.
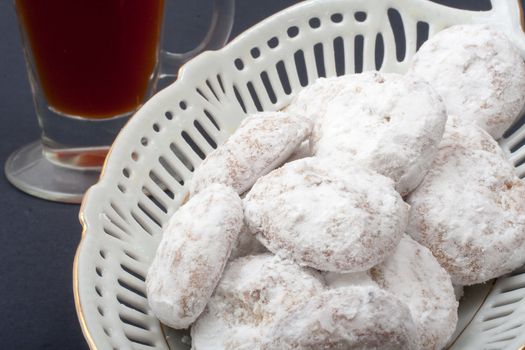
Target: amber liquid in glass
(94,58)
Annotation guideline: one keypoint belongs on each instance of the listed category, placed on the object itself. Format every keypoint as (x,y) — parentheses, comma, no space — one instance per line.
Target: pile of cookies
(343,221)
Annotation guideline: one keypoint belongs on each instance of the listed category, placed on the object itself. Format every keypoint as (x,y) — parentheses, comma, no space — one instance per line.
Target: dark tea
(93,58)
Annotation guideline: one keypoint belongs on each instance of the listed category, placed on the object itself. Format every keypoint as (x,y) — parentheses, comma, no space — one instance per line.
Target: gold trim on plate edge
(78,307)
(76,290)
(522,22)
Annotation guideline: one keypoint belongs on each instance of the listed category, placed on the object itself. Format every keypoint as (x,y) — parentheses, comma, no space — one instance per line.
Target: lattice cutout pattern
(148,170)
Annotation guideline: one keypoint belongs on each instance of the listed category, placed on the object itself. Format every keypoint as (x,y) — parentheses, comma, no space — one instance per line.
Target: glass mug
(91,65)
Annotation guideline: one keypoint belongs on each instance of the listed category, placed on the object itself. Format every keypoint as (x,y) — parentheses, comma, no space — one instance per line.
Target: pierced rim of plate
(76,291)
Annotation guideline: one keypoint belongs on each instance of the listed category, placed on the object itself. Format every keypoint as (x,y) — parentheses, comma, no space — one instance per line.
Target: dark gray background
(38,238)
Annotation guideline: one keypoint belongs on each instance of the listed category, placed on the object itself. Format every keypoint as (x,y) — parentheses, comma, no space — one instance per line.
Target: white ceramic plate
(146,173)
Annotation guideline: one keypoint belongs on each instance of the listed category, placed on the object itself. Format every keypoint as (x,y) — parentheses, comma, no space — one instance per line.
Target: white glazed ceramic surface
(146,174)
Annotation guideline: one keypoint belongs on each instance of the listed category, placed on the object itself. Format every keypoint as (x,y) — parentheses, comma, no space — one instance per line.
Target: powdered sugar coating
(346,318)
(321,216)
(312,101)
(254,293)
(469,210)
(262,142)
(478,72)
(458,131)
(191,255)
(414,276)
(387,122)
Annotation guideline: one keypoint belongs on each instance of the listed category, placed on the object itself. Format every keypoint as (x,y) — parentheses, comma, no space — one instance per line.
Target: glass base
(31,172)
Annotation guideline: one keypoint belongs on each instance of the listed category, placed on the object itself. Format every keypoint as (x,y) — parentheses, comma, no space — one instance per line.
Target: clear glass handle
(217,36)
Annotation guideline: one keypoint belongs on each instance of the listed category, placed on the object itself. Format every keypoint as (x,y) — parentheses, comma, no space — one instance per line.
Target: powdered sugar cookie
(323,217)
(346,318)
(469,211)
(387,122)
(254,292)
(478,72)
(414,276)
(262,142)
(195,246)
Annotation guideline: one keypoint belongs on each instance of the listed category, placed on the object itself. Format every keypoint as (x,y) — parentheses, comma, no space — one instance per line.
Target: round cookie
(478,72)
(388,122)
(254,292)
(321,216)
(469,210)
(414,276)
(262,142)
(192,254)
(346,318)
